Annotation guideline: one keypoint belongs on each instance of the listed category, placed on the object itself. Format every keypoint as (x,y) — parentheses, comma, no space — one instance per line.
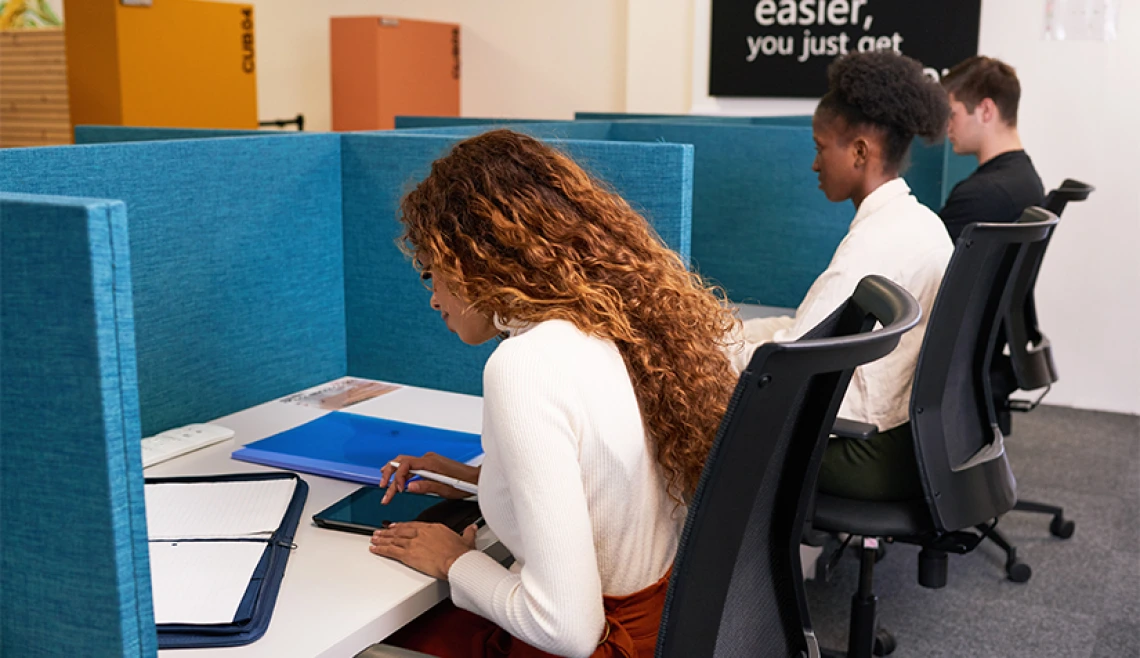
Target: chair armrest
(853,429)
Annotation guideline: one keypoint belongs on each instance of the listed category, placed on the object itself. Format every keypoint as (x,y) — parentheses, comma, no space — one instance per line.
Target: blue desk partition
(761,227)
(392,332)
(216,281)
(791,120)
(236,253)
(74,569)
(116,134)
(547,130)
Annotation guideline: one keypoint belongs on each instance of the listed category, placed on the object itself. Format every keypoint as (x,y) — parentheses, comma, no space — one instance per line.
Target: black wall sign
(783,47)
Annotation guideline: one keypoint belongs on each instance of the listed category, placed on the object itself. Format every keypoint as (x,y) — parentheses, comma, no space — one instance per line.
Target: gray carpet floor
(1084,596)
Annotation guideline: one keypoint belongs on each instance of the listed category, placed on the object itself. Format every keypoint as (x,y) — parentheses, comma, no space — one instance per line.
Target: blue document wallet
(352,447)
(255,605)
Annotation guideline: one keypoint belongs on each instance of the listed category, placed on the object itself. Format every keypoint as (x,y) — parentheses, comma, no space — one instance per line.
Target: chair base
(865,638)
(1060,527)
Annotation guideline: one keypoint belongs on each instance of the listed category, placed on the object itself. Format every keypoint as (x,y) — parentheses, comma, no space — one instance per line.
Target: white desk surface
(336,598)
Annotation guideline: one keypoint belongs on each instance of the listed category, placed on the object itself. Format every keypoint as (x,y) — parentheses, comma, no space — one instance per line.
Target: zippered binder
(251,619)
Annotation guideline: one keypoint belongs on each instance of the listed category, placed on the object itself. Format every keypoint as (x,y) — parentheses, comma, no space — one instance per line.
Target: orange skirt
(446,631)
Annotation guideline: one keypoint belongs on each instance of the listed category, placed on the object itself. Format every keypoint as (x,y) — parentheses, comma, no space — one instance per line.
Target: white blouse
(892,235)
(569,484)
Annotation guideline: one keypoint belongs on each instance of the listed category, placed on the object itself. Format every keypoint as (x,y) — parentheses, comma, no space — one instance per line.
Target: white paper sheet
(201,582)
(216,509)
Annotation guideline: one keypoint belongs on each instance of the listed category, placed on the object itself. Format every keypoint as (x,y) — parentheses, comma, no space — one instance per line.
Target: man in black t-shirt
(984,93)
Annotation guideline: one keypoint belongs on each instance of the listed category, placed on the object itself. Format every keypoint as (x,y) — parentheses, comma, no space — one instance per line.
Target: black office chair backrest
(1070,190)
(737,588)
(960,449)
(1030,353)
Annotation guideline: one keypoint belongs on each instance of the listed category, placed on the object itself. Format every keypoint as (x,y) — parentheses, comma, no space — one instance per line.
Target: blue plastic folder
(352,447)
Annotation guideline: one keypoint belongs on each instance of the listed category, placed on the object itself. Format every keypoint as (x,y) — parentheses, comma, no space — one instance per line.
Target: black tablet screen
(362,512)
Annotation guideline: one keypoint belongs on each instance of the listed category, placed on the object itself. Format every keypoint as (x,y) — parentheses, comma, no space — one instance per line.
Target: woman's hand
(429,548)
(396,479)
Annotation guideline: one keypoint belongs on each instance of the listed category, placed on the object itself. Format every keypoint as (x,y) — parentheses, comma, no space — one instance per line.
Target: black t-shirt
(998,191)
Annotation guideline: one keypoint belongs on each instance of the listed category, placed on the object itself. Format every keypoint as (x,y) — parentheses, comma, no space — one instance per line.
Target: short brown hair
(979,78)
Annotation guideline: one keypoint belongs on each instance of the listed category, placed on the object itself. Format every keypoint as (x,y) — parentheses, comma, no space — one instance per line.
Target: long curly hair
(527,235)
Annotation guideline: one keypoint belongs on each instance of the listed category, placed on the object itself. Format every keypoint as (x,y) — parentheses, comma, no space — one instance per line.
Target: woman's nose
(434,302)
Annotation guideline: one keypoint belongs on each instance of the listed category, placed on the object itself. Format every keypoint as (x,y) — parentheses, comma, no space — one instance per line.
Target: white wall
(659,56)
(520,58)
(1078,101)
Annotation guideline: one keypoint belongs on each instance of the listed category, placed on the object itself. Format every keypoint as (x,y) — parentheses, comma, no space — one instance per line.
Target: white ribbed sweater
(569,485)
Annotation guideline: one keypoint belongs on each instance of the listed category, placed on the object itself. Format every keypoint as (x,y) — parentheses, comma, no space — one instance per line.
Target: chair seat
(871,518)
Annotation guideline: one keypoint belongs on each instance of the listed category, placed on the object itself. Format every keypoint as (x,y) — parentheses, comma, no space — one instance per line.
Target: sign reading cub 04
(783,47)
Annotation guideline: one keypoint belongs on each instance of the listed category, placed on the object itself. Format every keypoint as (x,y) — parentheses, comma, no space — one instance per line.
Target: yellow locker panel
(174,63)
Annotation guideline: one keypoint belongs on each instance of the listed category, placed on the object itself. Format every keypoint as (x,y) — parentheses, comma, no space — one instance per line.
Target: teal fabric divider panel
(791,120)
(955,169)
(393,334)
(574,130)
(761,227)
(403,122)
(676,118)
(115,134)
(236,250)
(74,570)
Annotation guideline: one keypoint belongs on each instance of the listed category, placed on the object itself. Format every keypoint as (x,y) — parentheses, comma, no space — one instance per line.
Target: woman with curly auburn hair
(600,406)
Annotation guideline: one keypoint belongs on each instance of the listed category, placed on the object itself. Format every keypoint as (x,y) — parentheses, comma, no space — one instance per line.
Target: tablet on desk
(361,511)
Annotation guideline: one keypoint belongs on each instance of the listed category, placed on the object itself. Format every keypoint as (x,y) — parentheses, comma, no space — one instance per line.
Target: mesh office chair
(965,476)
(1029,367)
(736,589)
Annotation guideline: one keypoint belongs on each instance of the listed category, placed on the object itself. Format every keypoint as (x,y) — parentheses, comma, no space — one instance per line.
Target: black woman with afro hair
(875,106)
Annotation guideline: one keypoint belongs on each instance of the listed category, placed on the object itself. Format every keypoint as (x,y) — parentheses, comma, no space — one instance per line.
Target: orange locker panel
(383,67)
(174,63)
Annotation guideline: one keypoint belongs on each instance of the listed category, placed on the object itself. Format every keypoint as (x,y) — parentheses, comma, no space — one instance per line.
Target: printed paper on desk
(216,510)
(340,394)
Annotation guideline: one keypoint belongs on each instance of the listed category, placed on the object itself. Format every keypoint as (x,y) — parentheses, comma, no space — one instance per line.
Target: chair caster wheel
(1018,572)
(884,643)
(1061,528)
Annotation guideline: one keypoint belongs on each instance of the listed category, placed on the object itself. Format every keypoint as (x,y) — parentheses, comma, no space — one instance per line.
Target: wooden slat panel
(36,123)
(28,110)
(53,77)
(32,99)
(33,89)
(21,37)
(32,105)
(28,143)
(17,114)
(28,52)
(42,136)
(14,86)
(29,127)
(47,138)
(31,65)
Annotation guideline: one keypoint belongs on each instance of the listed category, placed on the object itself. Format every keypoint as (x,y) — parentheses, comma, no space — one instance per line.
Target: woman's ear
(861,150)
